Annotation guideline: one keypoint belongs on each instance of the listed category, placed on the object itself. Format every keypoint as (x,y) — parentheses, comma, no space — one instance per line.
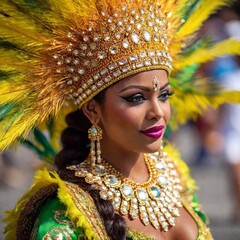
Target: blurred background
(210,146)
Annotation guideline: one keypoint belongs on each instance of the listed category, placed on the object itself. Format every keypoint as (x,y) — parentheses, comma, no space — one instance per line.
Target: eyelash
(139,97)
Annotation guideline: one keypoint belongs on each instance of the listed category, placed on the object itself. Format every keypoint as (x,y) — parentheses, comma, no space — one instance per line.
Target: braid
(75,150)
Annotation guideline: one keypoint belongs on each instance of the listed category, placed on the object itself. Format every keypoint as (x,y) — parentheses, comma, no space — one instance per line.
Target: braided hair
(75,150)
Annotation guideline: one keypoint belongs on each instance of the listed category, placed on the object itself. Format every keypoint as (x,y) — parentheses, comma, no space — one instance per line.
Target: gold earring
(95,135)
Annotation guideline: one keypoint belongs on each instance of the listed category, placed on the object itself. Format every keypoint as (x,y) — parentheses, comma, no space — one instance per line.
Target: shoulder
(53,223)
(47,199)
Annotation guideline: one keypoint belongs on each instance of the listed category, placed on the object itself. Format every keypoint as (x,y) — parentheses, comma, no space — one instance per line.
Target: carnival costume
(56,55)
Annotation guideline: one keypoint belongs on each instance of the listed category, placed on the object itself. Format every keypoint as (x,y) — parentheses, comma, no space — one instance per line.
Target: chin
(152,148)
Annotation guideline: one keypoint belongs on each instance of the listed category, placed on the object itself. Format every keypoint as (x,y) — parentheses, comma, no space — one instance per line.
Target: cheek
(167,111)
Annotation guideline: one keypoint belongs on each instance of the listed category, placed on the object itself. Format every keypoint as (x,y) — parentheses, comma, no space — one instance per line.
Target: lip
(154,132)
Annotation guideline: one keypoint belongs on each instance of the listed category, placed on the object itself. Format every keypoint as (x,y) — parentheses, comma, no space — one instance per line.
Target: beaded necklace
(154,202)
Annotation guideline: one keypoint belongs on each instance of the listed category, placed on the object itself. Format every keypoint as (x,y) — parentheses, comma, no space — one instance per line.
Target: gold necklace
(155,201)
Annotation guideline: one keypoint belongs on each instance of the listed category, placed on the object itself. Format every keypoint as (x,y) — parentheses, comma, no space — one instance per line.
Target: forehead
(144,78)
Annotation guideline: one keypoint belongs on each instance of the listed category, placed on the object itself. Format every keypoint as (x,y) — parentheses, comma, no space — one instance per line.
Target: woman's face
(133,115)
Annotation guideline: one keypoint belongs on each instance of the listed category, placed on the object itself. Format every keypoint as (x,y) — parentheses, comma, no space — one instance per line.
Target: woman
(114,180)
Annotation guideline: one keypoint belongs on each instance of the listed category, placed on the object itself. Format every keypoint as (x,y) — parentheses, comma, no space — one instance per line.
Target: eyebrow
(147,89)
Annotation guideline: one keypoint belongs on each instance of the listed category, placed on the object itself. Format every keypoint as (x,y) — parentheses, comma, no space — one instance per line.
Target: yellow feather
(196,19)
(201,55)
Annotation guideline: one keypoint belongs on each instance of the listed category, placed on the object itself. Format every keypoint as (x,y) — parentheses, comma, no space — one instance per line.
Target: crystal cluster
(127,42)
(155,202)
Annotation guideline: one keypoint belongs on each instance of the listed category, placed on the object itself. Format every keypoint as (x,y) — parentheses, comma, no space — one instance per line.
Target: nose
(155,110)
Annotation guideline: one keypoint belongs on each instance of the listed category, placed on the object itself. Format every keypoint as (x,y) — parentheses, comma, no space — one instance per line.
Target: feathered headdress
(54,53)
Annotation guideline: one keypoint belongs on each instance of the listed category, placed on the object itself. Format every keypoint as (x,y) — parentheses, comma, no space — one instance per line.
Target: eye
(136,98)
(165,95)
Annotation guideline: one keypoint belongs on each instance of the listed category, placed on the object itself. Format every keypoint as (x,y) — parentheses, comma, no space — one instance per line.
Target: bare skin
(130,107)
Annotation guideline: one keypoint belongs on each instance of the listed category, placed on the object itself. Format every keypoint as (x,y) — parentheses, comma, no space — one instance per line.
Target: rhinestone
(120,23)
(155,191)
(80,90)
(112,66)
(90,81)
(59,63)
(151,53)
(76,78)
(134,214)
(84,47)
(117,73)
(137,16)
(115,14)
(141,10)
(55,56)
(142,194)
(122,30)
(81,71)
(143,54)
(90,54)
(69,49)
(132,21)
(103,195)
(100,169)
(125,43)
(147,36)
(124,8)
(82,54)
(139,64)
(135,38)
(94,63)
(69,82)
(103,13)
(159,53)
(69,35)
(124,210)
(108,78)
(138,26)
(84,86)
(129,28)
(150,24)
(144,214)
(133,57)
(160,166)
(112,180)
(76,61)
(101,55)
(162,180)
(71,70)
(112,27)
(110,20)
(122,62)
(106,37)
(100,83)
(88,92)
(94,88)
(155,61)
(117,35)
(85,38)
(75,52)
(93,46)
(156,29)
(86,62)
(96,76)
(96,38)
(104,71)
(127,190)
(147,63)
(126,69)
(113,49)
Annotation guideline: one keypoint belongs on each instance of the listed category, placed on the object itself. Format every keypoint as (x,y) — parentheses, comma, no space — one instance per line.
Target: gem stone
(127,190)
(155,191)
(142,194)
(125,43)
(135,38)
(147,36)
(113,49)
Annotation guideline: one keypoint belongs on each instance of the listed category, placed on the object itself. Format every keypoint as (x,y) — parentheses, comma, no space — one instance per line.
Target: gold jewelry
(155,84)
(154,202)
(95,135)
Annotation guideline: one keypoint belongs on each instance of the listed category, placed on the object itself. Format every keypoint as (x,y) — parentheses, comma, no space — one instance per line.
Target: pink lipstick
(154,132)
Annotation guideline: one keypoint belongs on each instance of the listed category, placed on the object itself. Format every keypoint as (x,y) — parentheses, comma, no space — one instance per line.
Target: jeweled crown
(113,45)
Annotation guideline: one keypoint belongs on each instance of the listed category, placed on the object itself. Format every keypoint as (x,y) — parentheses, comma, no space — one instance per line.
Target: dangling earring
(95,135)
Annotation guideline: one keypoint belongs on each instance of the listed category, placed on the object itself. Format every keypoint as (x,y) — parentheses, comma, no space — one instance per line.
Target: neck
(130,164)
